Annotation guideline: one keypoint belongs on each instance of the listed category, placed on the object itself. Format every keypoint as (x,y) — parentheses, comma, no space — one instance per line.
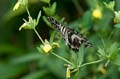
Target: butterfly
(72,38)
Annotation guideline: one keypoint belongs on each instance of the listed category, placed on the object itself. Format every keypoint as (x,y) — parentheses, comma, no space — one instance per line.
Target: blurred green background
(19,58)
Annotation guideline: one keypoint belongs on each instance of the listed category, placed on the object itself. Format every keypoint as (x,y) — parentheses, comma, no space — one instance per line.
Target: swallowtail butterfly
(72,38)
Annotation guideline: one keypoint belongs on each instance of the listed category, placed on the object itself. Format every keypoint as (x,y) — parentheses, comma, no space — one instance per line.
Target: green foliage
(32,23)
(22,56)
(110,5)
(108,53)
(117,25)
(50,11)
(36,75)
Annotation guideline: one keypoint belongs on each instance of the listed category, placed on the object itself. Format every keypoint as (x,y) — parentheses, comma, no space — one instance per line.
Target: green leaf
(38,18)
(47,11)
(26,58)
(87,20)
(76,75)
(47,22)
(117,25)
(101,53)
(45,1)
(36,75)
(117,60)
(113,48)
(73,58)
(52,36)
(50,11)
(40,50)
(110,5)
(53,8)
(80,55)
(9,71)
(113,51)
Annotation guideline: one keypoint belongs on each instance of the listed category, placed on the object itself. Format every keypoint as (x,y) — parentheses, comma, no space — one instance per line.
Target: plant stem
(93,62)
(34,28)
(107,63)
(39,36)
(28,11)
(62,58)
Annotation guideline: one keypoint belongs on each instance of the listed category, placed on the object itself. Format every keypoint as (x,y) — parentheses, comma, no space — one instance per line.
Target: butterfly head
(50,19)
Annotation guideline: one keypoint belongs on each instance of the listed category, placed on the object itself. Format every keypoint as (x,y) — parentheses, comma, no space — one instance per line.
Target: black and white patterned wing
(72,38)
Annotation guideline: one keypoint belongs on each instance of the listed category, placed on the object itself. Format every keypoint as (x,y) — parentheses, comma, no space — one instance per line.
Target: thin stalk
(39,36)
(107,63)
(93,62)
(28,11)
(62,58)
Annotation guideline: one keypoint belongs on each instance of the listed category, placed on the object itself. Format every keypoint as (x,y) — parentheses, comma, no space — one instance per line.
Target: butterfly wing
(72,38)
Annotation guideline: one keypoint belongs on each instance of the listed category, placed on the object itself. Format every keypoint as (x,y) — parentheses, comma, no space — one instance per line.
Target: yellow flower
(97,14)
(17,5)
(46,47)
(102,69)
(68,72)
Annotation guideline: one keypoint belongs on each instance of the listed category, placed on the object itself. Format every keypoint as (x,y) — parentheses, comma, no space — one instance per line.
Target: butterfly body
(72,38)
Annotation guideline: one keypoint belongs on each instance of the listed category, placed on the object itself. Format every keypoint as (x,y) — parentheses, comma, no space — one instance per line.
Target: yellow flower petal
(47,48)
(102,69)
(68,72)
(97,14)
